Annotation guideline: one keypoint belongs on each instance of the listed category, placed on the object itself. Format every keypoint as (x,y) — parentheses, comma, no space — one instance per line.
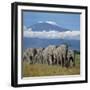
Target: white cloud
(52,34)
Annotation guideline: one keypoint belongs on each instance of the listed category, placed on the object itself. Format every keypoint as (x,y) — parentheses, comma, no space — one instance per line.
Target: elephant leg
(41,59)
(52,59)
(67,64)
(72,60)
(24,58)
(30,58)
(55,61)
(63,61)
(48,61)
(36,59)
(60,61)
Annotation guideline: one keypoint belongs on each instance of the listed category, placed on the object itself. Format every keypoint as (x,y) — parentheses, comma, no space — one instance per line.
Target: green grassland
(34,70)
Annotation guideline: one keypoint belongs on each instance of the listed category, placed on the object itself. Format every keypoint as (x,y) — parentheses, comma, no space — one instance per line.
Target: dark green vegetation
(32,70)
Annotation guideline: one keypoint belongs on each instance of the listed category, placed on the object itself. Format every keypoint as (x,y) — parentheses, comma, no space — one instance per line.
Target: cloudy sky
(52,34)
(44,38)
(64,20)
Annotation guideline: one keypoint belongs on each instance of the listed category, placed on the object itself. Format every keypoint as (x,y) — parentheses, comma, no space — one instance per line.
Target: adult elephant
(48,54)
(71,58)
(29,55)
(39,56)
(60,54)
(25,56)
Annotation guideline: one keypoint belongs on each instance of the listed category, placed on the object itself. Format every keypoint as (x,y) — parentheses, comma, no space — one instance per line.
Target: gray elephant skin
(51,55)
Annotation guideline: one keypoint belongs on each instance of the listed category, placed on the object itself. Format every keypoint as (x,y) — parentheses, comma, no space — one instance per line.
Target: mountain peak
(49,22)
(47,26)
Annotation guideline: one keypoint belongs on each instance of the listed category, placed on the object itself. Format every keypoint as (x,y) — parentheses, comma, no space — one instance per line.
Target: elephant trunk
(66,55)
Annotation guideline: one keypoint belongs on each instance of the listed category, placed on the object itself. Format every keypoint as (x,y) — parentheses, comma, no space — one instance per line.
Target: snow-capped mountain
(47,26)
(43,34)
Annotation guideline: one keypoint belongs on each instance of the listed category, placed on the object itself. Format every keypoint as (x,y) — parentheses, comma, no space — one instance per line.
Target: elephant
(29,54)
(25,56)
(51,55)
(70,58)
(60,55)
(48,54)
(39,56)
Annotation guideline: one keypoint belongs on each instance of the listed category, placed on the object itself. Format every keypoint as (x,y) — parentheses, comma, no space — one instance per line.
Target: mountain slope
(47,27)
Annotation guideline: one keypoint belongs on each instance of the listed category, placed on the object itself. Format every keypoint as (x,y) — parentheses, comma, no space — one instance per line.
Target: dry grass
(32,70)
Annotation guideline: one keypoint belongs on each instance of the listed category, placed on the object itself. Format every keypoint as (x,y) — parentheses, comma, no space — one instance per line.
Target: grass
(32,70)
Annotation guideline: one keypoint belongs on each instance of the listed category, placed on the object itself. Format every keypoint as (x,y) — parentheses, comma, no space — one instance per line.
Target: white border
(82,46)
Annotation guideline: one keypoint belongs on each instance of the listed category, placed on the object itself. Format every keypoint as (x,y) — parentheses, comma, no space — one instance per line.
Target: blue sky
(44,38)
(65,20)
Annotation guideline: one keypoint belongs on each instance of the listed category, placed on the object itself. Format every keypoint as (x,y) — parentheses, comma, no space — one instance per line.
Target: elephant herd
(51,55)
